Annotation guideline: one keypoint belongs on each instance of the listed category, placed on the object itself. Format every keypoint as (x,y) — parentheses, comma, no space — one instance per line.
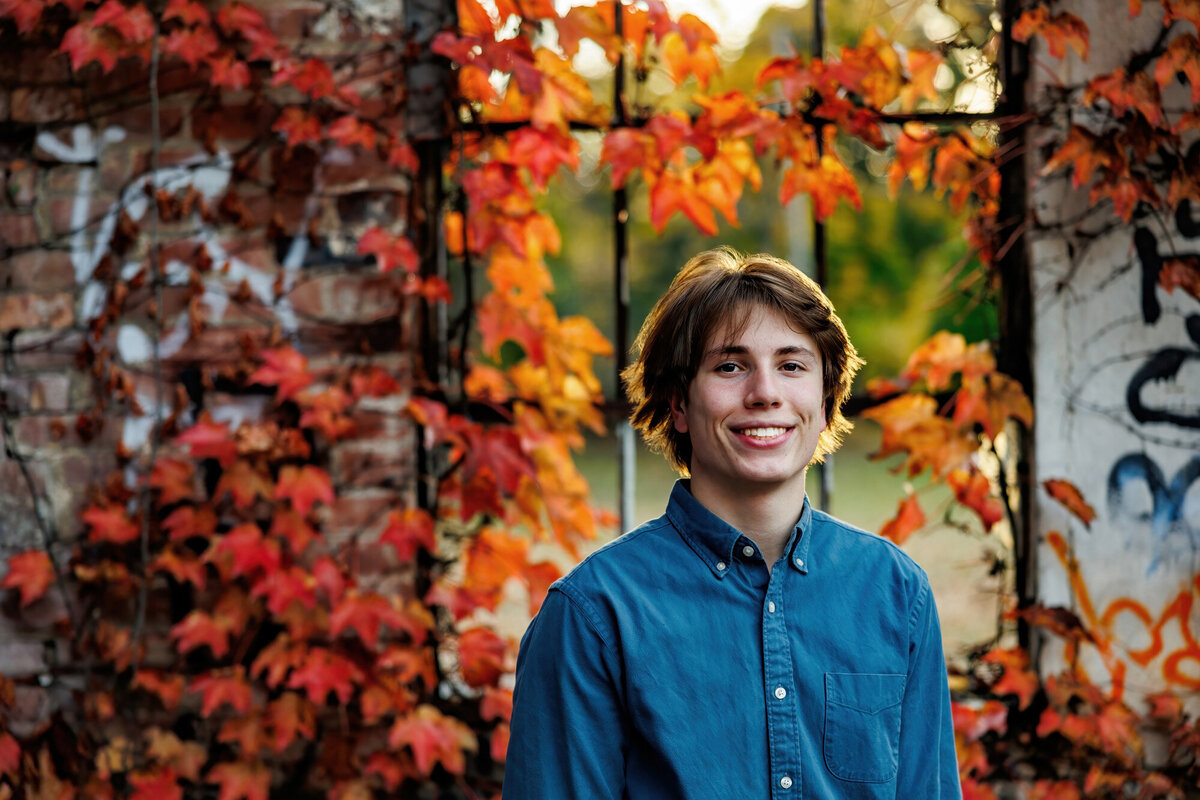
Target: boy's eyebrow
(739,350)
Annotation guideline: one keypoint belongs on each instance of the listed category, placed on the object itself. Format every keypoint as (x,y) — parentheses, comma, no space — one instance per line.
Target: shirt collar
(713,539)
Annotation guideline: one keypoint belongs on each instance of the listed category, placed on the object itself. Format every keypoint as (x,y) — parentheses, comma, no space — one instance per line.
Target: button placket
(778,677)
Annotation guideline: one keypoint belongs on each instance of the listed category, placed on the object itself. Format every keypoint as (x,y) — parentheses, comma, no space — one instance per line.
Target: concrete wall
(1117,373)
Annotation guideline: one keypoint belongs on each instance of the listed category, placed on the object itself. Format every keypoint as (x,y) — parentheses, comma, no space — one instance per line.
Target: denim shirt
(671,664)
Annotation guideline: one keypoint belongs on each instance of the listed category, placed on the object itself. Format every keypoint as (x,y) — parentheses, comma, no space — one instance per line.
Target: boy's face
(755,409)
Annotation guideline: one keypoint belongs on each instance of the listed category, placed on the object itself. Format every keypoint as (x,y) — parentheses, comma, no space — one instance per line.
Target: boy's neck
(767,517)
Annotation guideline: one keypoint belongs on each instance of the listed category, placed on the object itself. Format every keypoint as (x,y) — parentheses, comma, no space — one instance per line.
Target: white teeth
(763,433)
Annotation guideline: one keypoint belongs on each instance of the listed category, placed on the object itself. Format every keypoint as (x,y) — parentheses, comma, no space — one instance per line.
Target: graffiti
(1126,632)
(209,176)
(1171,511)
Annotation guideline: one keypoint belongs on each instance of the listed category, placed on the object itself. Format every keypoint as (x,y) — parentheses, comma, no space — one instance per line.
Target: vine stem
(156,280)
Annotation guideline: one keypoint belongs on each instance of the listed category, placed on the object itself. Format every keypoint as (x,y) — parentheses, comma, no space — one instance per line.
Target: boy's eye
(727,367)
(792,366)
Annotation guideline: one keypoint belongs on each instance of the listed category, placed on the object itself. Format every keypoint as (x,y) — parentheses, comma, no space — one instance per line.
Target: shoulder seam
(588,616)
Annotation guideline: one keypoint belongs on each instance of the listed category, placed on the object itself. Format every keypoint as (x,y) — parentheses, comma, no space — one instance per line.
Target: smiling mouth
(763,432)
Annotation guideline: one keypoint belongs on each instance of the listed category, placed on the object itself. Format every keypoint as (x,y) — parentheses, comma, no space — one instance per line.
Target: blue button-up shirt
(671,664)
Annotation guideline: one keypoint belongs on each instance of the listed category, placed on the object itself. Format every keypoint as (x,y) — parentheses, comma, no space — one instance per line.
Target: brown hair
(710,294)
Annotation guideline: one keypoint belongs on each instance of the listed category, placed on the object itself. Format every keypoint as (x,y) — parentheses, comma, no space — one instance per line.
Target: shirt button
(785,782)
(771,606)
(800,563)
(748,551)
(720,565)
(780,692)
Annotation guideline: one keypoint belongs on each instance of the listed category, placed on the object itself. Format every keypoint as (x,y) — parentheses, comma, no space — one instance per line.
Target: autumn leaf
(189,12)
(181,565)
(1059,32)
(220,687)
(31,573)
(167,688)
(193,45)
(288,718)
(826,182)
(186,522)
(87,42)
(389,251)
(1061,621)
(241,780)
(350,130)
(208,439)
(1182,272)
(198,629)
(366,613)
(909,518)
(10,754)
(324,671)
(1071,498)
(433,738)
(173,478)
(481,656)
(286,370)
(156,783)
(298,126)
(1125,92)
(304,486)
(1017,678)
(408,530)
(25,13)
(228,71)
(109,523)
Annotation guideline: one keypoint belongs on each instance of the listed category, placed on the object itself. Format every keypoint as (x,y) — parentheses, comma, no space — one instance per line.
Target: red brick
(294,170)
(46,104)
(380,463)
(34,431)
(234,121)
(5,104)
(44,350)
(20,185)
(217,345)
(137,120)
(17,231)
(60,212)
(46,392)
(37,270)
(363,169)
(346,298)
(356,513)
(30,310)
(290,21)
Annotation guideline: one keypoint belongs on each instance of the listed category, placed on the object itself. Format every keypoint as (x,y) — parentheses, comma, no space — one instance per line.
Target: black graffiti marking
(1168,512)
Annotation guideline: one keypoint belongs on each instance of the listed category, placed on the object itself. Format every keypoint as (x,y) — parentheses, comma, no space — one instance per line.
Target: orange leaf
(241,780)
(350,130)
(208,439)
(304,486)
(109,523)
(1054,790)
(289,717)
(168,688)
(1124,93)
(1018,678)
(1182,272)
(826,182)
(1069,495)
(1060,31)
(389,251)
(481,655)
(1188,10)
(156,783)
(909,517)
(199,628)
(31,572)
(1182,55)
(298,126)
(173,478)
(181,565)
(244,482)
(1165,706)
(324,671)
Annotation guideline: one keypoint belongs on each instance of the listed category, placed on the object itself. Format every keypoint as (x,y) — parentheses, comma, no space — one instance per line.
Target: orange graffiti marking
(1102,625)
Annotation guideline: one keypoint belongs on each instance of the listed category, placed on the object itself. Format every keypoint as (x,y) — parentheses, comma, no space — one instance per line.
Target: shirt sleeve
(928,764)
(568,735)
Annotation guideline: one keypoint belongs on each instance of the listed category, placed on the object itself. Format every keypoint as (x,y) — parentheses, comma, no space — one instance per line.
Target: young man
(742,645)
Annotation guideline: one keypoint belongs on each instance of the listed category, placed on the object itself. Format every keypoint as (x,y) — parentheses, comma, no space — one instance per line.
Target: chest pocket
(862,725)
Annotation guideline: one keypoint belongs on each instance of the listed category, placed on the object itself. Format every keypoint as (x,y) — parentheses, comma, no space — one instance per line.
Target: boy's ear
(679,414)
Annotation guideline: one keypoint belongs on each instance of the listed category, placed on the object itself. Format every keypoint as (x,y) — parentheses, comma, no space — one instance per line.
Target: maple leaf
(923,66)
(1182,272)
(246,731)
(132,23)
(677,191)
(1084,152)
(304,486)
(200,628)
(481,656)
(1182,55)
(366,612)
(350,130)
(313,77)
(109,523)
(241,780)
(391,770)
(826,182)
(324,671)
(229,71)
(1061,621)
(220,687)
(1060,31)
(181,565)
(292,528)
(208,439)
(86,42)
(289,717)
(193,45)
(1054,790)
(25,13)
(538,577)
(189,12)
(909,518)
(298,126)
(1125,92)
(167,688)
(156,783)
(433,738)
(991,401)
(1188,10)
(244,550)
(587,22)
(31,572)
(1018,678)
(173,478)
(286,370)
(496,704)
(973,490)
(1165,707)
(913,146)
(408,530)
(187,521)
(973,720)
(1071,498)
(389,251)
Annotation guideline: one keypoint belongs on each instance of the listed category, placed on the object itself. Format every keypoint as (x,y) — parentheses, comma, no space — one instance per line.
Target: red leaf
(1018,678)
(244,482)
(409,530)
(188,12)
(827,182)
(314,78)
(324,671)
(304,486)
(366,613)
(31,572)
(167,688)
(433,738)
(10,754)
(496,704)
(26,13)
(193,45)
(350,130)
(86,43)
(1066,493)
(1182,272)
(173,478)
(298,126)
(481,655)
(208,439)
(1060,31)
(248,551)
(237,18)
(220,687)
(157,783)
(286,370)
(199,628)
(109,524)
(909,518)
(289,717)
(132,23)
(181,565)
(229,71)
(282,587)
(241,780)
(973,490)
(389,251)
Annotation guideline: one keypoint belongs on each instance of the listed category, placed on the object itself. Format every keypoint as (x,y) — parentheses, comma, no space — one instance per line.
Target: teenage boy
(743,645)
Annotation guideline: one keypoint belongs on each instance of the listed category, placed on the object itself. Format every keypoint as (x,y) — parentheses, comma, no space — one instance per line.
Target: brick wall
(270,260)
